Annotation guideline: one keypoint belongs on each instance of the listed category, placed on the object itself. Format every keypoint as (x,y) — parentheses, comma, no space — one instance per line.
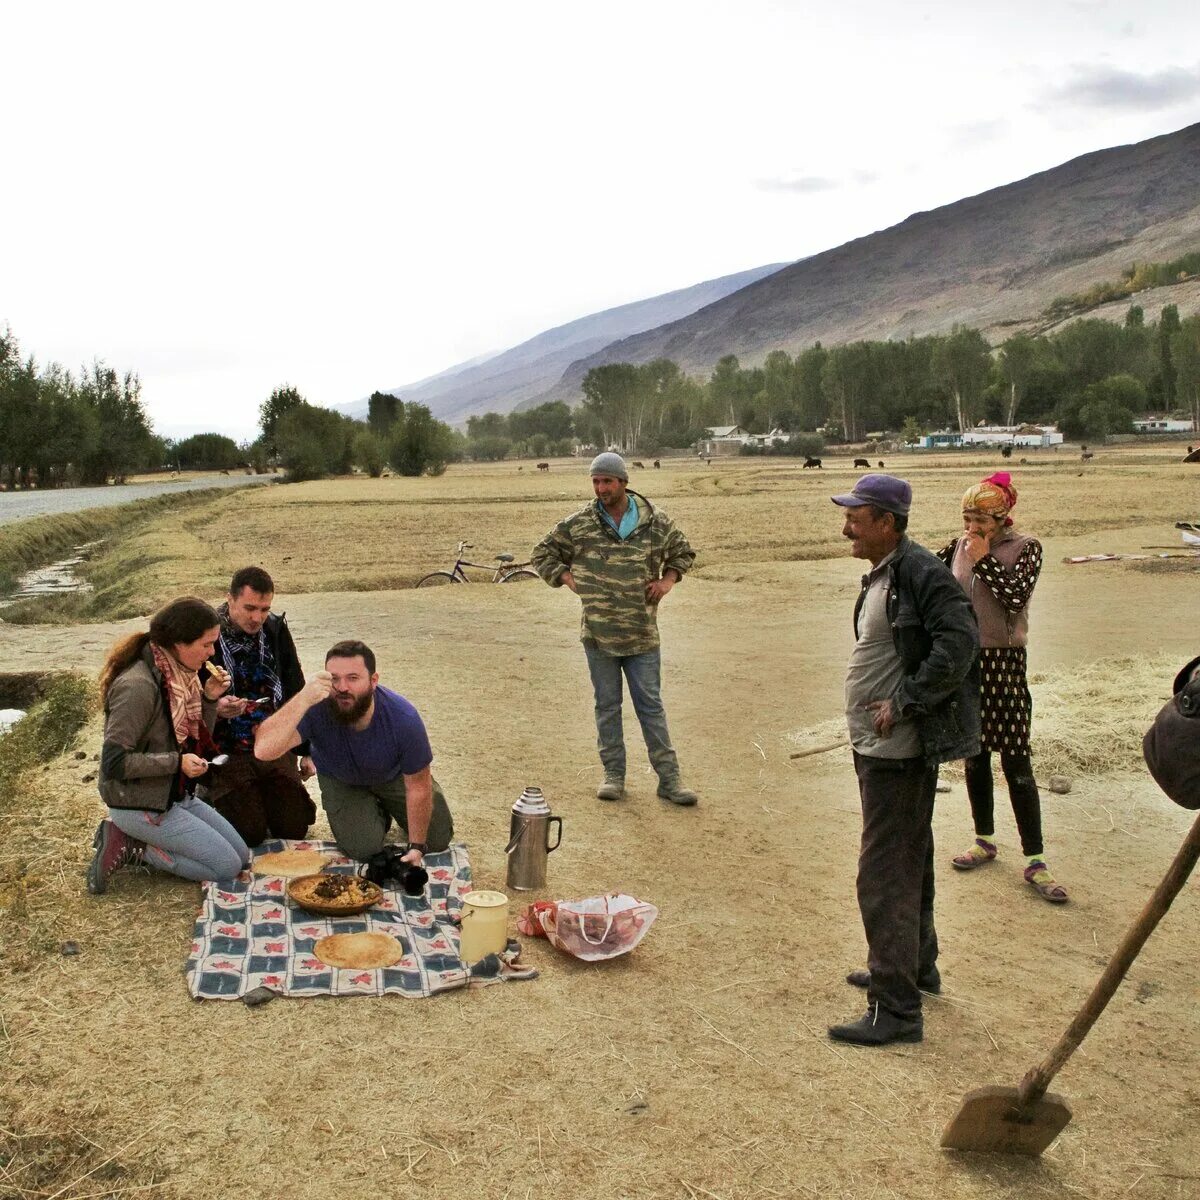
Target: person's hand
(568,581)
(318,688)
(231,706)
(977,545)
(192,765)
(656,589)
(308,768)
(885,716)
(219,681)
(413,856)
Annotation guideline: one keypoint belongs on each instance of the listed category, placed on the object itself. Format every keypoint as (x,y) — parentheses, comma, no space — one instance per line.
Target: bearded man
(372,756)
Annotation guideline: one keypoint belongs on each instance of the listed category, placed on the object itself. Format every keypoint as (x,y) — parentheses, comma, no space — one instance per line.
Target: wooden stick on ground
(819,749)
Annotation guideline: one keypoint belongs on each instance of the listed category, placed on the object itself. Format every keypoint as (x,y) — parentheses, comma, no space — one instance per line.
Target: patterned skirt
(1006,708)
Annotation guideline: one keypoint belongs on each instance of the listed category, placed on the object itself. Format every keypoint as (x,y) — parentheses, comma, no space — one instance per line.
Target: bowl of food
(334,895)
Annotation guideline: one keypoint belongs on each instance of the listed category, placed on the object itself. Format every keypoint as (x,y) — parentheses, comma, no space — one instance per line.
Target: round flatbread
(290,863)
(359,951)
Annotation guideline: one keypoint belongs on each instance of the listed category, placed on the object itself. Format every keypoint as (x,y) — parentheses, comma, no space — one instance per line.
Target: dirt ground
(698,1066)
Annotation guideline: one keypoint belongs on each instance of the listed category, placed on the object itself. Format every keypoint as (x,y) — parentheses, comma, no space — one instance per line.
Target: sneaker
(673,790)
(611,789)
(114,850)
(878,1027)
(928,981)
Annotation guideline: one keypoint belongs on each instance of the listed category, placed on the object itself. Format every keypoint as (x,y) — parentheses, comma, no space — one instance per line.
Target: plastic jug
(484,925)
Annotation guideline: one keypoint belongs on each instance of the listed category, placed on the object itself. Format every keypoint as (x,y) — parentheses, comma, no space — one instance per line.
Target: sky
(231,197)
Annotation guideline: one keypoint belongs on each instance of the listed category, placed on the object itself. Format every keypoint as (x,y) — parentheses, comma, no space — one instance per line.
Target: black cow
(639,464)
(862,462)
(543,466)
(881,464)
(812,462)
(1006,452)
(657,464)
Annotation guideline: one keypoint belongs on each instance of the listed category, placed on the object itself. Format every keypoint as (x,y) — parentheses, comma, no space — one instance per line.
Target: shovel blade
(990,1120)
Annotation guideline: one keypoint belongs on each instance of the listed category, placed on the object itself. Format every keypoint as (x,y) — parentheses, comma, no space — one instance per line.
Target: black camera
(388,868)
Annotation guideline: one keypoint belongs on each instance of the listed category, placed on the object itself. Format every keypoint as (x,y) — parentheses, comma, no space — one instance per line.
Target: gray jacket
(937,639)
(139,761)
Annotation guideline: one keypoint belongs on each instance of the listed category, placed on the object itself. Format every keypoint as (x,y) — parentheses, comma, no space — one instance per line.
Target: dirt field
(698,1066)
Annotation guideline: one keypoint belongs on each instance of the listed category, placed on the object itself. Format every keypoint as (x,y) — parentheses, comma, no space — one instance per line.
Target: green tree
(1017,358)
(207,452)
(1168,327)
(420,444)
(124,440)
(811,402)
(281,401)
(382,410)
(1185,357)
(961,364)
(369,452)
(313,442)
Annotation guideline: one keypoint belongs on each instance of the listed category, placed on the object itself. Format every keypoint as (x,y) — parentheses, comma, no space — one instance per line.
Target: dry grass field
(698,1066)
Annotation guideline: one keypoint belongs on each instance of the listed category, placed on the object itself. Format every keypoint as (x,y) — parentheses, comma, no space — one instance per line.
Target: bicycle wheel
(436,579)
(519,574)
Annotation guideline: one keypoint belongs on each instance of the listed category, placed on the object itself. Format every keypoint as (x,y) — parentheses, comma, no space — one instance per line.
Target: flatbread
(359,951)
(288,864)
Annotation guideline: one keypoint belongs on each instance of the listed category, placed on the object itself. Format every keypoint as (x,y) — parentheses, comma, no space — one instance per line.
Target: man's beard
(353,714)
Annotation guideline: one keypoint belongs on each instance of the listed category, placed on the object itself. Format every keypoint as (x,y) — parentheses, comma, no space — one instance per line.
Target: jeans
(191,839)
(895,877)
(642,673)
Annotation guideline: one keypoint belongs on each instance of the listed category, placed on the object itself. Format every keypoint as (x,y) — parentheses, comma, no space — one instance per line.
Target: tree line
(1090,378)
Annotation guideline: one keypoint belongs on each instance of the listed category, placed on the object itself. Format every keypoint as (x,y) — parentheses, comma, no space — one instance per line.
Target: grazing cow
(543,466)
(1086,455)
(638,464)
(1193,456)
(812,462)
(862,462)
(520,468)
(1006,452)
(881,464)
(657,464)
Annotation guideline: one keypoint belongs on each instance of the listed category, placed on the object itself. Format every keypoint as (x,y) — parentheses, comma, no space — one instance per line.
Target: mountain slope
(990,260)
(503,381)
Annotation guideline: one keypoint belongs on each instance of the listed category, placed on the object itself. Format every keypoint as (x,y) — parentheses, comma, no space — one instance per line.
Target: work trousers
(360,815)
(1022,791)
(895,877)
(642,672)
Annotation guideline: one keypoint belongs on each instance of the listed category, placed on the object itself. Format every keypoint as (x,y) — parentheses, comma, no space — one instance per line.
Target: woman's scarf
(994,496)
(183,692)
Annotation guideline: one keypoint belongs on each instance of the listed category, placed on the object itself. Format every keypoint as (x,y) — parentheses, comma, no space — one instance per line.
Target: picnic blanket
(250,935)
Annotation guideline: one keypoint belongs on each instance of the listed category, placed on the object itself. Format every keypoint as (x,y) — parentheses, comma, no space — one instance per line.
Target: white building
(1162,425)
(1012,435)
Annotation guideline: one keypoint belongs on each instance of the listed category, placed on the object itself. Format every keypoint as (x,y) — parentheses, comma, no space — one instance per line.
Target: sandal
(1038,874)
(981,852)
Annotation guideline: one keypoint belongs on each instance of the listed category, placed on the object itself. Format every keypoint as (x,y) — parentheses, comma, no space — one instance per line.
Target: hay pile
(1088,720)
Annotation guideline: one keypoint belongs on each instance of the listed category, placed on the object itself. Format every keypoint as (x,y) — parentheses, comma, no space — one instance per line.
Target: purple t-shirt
(395,742)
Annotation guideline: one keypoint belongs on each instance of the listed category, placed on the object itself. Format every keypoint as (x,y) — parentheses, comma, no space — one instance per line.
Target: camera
(388,868)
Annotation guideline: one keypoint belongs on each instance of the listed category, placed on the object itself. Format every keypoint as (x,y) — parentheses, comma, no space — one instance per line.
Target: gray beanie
(609,463)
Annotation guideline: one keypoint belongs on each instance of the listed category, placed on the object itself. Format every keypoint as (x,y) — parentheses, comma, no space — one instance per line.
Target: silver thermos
(529,841)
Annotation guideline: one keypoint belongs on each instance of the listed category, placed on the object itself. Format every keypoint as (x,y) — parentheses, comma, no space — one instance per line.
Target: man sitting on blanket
(371,753)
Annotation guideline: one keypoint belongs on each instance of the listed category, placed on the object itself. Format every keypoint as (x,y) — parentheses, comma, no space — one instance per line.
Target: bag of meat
(593,929)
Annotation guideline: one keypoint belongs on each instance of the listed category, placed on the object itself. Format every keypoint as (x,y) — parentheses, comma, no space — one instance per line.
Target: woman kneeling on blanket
(157,716)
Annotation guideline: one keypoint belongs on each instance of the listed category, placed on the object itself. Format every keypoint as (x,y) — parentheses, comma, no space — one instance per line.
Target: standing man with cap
(620,555)
(912,702)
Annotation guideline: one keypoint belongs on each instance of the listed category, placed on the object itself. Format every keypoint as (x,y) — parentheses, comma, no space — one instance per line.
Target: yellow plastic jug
(484,925)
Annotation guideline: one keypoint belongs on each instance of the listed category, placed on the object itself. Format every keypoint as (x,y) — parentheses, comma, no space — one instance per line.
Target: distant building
(722,439)
(939,440)
(1162,425)
(1030,436)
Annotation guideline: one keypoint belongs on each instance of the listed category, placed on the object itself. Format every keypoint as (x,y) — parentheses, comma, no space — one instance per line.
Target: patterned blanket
(250,935)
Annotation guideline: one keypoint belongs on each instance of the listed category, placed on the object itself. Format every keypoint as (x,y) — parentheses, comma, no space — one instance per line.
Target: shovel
(1024,1119)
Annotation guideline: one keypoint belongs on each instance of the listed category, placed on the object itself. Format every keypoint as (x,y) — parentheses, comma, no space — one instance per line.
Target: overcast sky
(228,197)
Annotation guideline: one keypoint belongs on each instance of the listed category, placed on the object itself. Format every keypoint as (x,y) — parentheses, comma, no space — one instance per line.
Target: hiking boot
(673,790)
(611,789)
(114,850)
(878,1027)
(928,981)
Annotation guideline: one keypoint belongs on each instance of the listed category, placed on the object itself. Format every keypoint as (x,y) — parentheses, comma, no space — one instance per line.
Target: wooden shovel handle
(1035,1083)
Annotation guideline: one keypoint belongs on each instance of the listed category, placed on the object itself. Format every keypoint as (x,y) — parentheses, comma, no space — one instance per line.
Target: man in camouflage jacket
(620,555)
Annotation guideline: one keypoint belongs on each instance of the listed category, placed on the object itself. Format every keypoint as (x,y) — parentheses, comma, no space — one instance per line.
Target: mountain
(995,261)
(501,382)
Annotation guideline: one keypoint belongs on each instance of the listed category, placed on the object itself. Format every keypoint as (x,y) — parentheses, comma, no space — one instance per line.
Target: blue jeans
(642,673)
(190,839)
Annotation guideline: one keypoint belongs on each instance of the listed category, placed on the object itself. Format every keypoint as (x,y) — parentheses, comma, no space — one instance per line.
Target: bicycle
(502,572)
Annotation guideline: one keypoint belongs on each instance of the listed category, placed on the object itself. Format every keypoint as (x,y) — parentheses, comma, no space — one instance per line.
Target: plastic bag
(597,928)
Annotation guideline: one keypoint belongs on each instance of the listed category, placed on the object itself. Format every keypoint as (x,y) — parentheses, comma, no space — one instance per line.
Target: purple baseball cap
(884,491)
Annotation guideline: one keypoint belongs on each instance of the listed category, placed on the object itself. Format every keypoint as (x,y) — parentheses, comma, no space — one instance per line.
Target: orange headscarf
(994,495)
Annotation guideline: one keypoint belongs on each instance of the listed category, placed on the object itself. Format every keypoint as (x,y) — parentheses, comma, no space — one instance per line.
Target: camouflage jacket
(611,575)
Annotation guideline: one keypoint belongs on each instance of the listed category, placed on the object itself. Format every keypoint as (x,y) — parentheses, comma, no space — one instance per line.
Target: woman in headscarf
(999,568)
(157,716)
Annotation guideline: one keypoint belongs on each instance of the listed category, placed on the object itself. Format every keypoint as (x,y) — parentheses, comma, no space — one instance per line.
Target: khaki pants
(361,816)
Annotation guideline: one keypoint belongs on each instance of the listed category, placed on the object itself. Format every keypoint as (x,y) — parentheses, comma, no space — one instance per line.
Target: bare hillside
(998,257)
